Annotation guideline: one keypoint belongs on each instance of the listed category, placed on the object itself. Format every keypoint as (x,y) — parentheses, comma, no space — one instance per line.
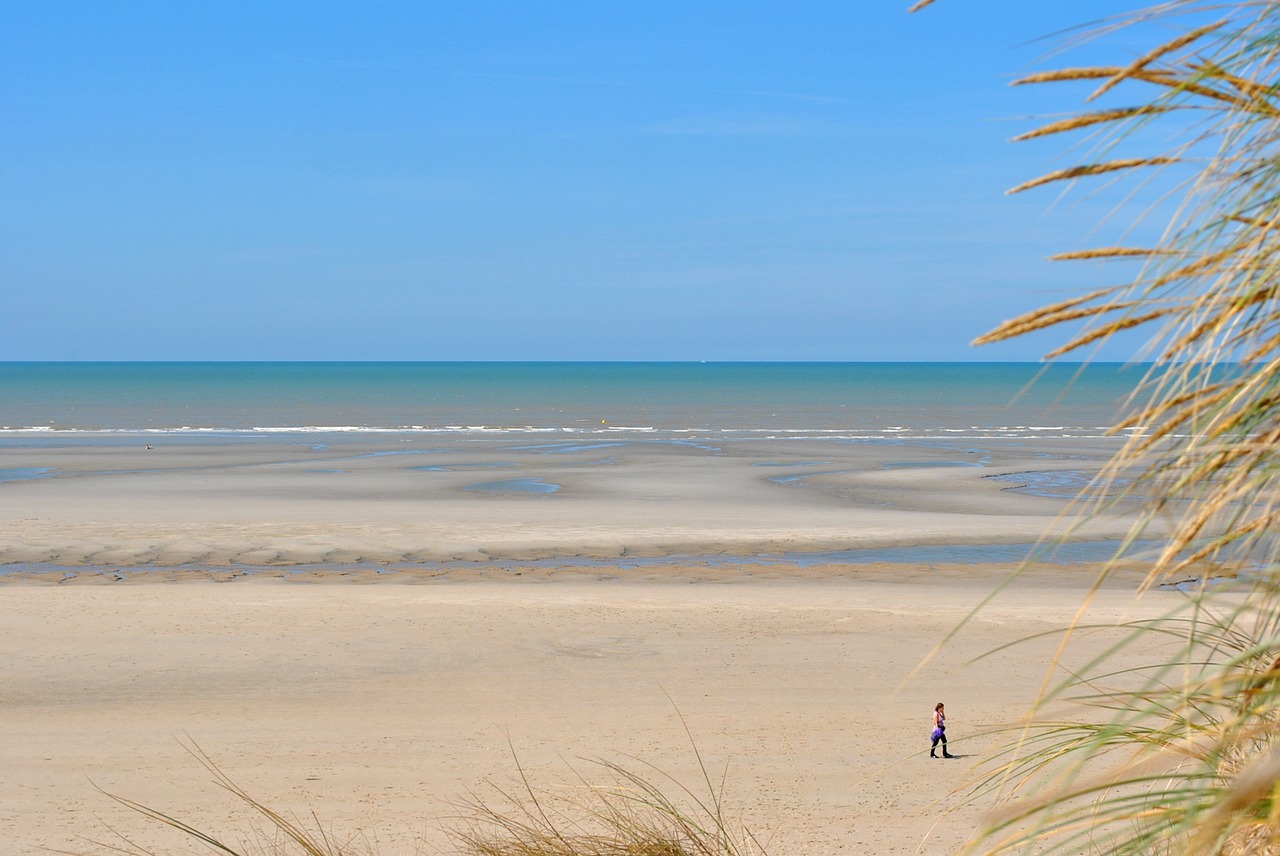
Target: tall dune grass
(1183,756)
(631,812)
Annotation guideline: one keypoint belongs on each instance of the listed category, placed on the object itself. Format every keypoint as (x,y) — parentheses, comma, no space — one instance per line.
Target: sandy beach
(369,629)
(378,706)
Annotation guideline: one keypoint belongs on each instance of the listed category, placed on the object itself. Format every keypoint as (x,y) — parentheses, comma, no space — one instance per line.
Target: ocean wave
(890,432)
(401,429)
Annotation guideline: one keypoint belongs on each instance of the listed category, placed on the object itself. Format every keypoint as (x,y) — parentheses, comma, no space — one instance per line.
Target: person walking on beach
(939,732)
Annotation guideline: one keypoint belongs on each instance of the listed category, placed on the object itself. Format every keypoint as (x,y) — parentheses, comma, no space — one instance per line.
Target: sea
(863,400)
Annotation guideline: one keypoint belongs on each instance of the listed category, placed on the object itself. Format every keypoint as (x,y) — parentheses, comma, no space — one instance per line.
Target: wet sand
(411,500)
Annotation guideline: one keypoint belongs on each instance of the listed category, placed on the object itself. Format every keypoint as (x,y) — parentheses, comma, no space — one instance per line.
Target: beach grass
(627,810)
(627,813)
(278,835)
(1183,755)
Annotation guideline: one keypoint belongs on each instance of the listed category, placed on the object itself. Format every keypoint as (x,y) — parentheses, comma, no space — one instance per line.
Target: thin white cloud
(733,125)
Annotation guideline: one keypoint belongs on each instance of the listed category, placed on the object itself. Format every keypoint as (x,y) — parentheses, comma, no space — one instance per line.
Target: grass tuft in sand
(627,813)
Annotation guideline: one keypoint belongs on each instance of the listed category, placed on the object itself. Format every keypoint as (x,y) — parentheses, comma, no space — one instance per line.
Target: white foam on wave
(897,433)
(401,429)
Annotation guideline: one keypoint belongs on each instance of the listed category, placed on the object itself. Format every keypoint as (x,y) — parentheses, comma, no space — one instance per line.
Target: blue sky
(529,180)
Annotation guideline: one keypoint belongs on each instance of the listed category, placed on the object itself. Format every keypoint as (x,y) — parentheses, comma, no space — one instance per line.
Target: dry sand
(377,706)
(377,699)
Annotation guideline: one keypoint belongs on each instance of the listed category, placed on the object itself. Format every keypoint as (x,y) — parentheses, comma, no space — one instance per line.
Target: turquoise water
(874,400)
